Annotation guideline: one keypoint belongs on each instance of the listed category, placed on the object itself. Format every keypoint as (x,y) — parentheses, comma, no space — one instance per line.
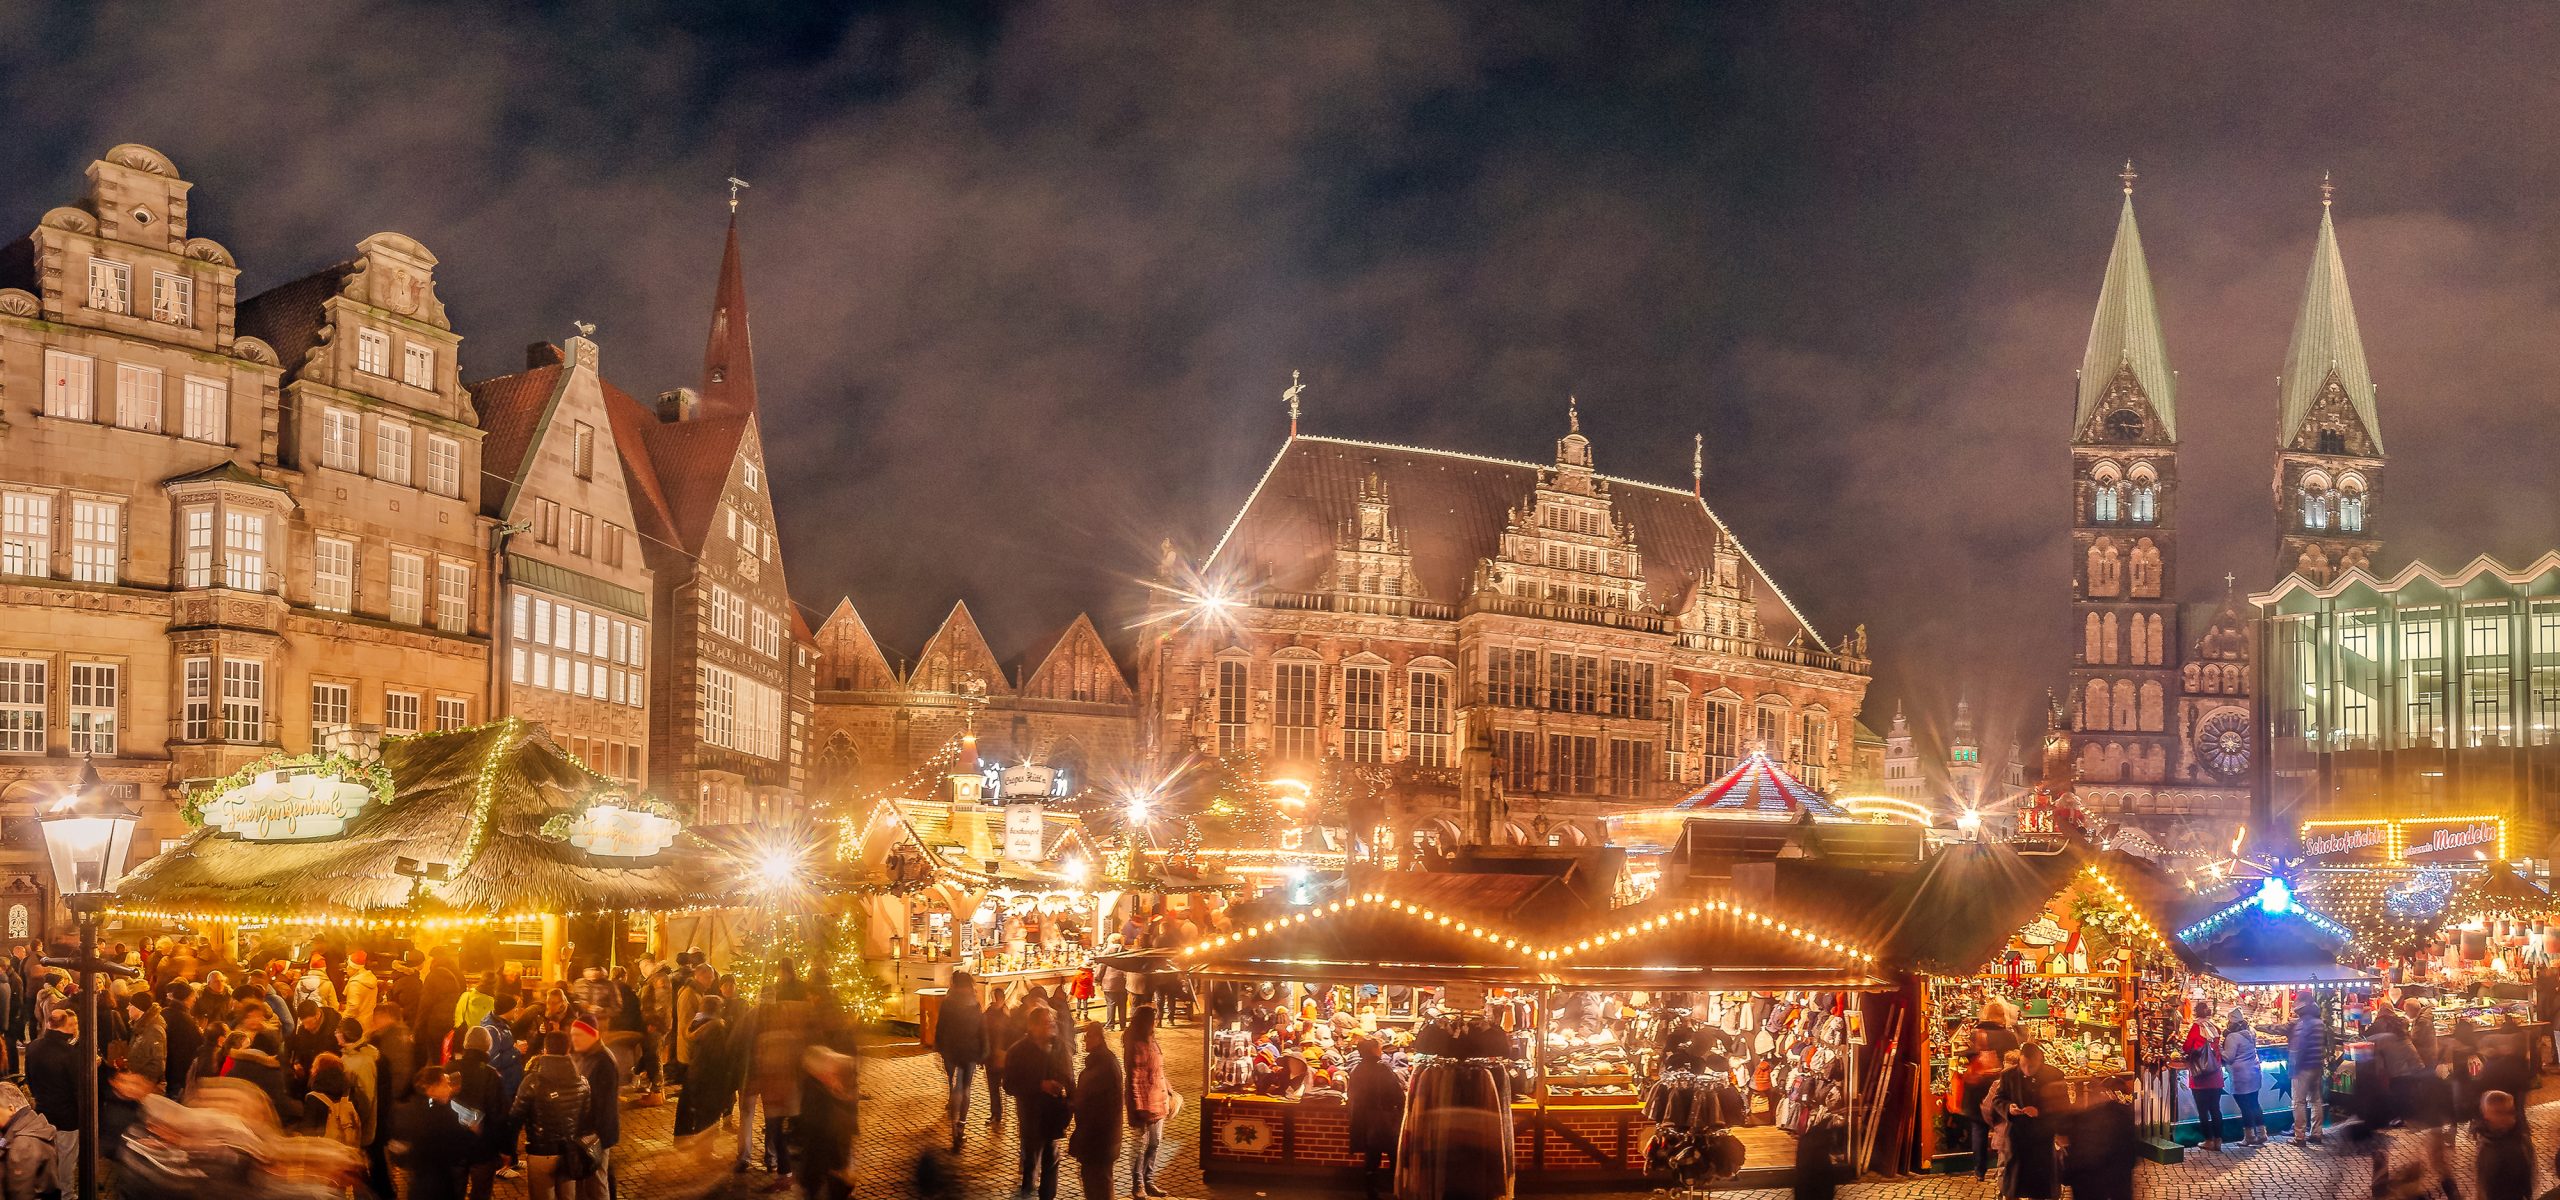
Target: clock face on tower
(2222,741)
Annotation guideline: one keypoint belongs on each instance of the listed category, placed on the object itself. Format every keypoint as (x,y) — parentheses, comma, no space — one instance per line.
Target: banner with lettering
(2437,842)
(2347,843)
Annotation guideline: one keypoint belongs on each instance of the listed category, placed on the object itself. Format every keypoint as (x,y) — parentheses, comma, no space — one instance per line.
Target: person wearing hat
(1376,1096)
(1036,1075)
(1100,1093)
(604,1101)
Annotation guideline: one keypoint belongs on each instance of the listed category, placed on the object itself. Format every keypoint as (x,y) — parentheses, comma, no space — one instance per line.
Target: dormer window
(110,286)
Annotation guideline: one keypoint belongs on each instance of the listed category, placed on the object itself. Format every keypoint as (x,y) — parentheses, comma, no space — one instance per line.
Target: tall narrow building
(2328,433)
(2124,460)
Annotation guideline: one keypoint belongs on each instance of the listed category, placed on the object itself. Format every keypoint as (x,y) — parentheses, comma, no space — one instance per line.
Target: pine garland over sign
(560,824)
(373,775)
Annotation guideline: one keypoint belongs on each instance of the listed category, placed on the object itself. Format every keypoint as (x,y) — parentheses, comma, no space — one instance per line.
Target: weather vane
(2128,176)
(1697,464)
(735,184)
(586,329)
(2327,189)
(1291,395)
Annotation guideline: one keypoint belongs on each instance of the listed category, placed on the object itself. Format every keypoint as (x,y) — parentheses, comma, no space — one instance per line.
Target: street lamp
(87,836)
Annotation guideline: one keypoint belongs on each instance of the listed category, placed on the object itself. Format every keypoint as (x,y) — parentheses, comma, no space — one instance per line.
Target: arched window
(2123,704)
(2089,640)
(2093,709)
(2146,502)
(2146,568)
(2105,567)
(2159,652)
(2153,712)
(2107,639)
(2103,503)
(2351,510)
(2315,508)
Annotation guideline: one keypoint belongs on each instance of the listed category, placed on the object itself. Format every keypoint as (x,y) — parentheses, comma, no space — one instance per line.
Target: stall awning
(2252,975)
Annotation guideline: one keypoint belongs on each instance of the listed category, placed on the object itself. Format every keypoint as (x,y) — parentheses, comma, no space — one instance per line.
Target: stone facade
(201,562)
(575,584)
(1067,705)
(1524,648)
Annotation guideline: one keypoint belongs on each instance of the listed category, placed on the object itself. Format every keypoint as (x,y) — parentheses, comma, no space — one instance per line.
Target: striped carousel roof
(1758,787)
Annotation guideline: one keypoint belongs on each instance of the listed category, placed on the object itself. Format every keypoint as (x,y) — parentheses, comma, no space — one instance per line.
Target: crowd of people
(1110,1103)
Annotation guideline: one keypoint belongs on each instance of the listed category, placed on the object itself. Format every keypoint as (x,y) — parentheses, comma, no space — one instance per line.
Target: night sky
(1026,281)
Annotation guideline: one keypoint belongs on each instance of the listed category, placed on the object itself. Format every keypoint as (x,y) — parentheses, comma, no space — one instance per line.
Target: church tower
(1964,759)
(1902,778)
(2328,434)
(2124,480)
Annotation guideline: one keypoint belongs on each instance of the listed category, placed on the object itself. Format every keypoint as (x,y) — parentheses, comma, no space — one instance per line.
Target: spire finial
(2327,189)
(735,184)
(1697,464)
(586,329)
(1291,395)
(2229,581)
(2128,176)
(1573,413)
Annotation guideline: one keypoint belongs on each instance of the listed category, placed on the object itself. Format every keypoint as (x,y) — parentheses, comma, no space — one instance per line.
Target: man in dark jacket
(315,1032)
(1101,1093)
(604,1102)
(552,1110)
(434,1144)
(477,1087)
(2104,1145)
(439,991)
(186,1040)
(54,1066)
(960,1037)
(1377,1113)
(28,1161)
(2504,1149)
(395,1082)
(2307,1055)
(1041,1090)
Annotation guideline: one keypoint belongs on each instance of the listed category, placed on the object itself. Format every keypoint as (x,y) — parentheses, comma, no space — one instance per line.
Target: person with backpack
(27,1155)
(2204,1080)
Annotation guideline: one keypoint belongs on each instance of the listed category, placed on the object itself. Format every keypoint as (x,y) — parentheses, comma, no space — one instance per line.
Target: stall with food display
(2052,942)
(490,837)
(1684,1037)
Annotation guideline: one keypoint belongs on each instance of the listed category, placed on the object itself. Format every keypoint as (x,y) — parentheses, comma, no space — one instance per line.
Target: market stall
(2264,952)
(490,835)
(1604,1026)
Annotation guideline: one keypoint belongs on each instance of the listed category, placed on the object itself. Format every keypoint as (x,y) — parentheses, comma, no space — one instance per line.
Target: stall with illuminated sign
(2061,937)
(2266,952)
(1616,1033)
(436,836)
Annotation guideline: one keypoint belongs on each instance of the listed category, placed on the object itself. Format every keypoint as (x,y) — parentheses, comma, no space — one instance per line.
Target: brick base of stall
(1560,1148)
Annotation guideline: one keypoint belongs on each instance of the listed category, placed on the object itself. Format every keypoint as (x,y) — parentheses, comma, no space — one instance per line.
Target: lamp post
(86,837)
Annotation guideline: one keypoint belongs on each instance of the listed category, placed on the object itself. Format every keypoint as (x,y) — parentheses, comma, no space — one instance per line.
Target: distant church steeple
(729,360)
(2329,428)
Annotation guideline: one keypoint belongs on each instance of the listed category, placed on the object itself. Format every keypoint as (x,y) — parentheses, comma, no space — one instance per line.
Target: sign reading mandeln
(2433,842)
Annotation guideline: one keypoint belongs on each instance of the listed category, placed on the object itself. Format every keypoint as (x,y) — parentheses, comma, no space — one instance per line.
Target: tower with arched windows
(2328,432)
(2125,615)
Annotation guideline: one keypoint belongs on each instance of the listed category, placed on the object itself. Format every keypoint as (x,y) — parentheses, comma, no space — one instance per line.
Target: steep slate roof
(1453,509)
(288,315)
(955,647)
(2126,332)
(849,650)
(631,423)
(1758,787)
(512,409)
(729,359)
(2325,339)
(687,465)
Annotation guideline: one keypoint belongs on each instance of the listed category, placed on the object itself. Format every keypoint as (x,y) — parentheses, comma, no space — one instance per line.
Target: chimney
(541,354)
(679,404)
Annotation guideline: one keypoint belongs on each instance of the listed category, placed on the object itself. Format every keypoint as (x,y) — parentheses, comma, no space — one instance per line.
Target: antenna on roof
(735,184)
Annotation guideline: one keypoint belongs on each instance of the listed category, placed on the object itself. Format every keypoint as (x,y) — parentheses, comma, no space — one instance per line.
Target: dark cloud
(1027,279)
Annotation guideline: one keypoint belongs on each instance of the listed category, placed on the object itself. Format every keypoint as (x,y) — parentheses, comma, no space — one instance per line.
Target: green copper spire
(2126,332)
(2326,341)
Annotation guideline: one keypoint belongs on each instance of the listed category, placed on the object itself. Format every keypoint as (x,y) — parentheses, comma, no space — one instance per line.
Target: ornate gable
(1369,554)
(1078,667)
(956,661)
(2332,425)
(849,657)
(1565,544)
(2124,416)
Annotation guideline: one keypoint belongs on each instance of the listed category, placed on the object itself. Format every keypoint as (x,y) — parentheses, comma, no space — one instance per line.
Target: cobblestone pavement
(902,1118)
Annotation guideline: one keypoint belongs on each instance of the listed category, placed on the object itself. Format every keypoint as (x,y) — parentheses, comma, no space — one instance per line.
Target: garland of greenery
(372,774)
(837,942)
(560,824)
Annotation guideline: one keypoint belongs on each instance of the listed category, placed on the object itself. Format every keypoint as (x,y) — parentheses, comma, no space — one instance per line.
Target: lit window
(752,474)
(444,465)
(408,588)
(1428,706)
(581,534)
(208,415)
(1364,714)
(195,711)
(333,574)
(110,286)
(197,548)
(418,365)
(523,671)
(96,532)
(400,712)
(137,397)
(341,439)
(244,558)
(453,597)
(244,700)
(373,352)
(329,705)
(452,712)
(70,386)
(391,452)
(26,534)
(173,298)
(22,703)
(93,709)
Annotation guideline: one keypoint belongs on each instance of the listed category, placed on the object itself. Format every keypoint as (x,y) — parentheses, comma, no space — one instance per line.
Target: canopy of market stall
(1958,914)
(2256,934)
(488,823)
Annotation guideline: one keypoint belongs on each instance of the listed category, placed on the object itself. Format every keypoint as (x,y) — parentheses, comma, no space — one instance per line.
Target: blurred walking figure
(1035,1072)
(1377,1113)
(1151,1098)
(2503,1149)
(1101,1093)
(960,1037)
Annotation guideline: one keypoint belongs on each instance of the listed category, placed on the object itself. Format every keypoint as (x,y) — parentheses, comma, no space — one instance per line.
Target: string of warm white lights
(2125,903)
(1530,950)
(356,921)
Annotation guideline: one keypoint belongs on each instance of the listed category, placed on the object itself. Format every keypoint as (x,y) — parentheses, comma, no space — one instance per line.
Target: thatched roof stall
(489,823)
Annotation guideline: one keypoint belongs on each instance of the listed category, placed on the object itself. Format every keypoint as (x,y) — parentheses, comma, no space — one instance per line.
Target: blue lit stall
(2269,951)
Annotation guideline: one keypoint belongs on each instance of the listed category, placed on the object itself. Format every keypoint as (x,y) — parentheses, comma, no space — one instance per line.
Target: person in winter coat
(28,1162)
(551,1109)
(1115,992)
(699,1106)
(1987,1049)
(363,991)
(1042,1093)
(477,1087)
(54,1067)
(185,1039)
(1004,1027)
(960,1037)
(1100,1096)
(243,1059)
(1820,1160)
(2503,1147)
(1377,1112)
(1150,1098)
(2307,1065)
(314,985)
(2240,1074)
(2105,1144)
(2020,1097)
(823,1155)
(439,989)
(395,1074)
(329,1106)
(434,1144)
(597,995)
(2204,1079)
(604,1102)
(146,1048)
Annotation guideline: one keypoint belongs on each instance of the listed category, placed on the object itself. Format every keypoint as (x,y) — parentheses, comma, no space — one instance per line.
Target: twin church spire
(2124,338)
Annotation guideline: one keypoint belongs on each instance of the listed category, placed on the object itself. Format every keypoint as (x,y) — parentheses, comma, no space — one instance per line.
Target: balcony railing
(1551,610)
(1367,604)
(1357,603)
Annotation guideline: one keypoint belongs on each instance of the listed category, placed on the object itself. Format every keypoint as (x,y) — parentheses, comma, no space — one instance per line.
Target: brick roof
(729,359)
(511,410)
(1453,509)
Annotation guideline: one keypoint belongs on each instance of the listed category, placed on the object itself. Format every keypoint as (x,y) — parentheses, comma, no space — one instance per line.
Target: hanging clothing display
(1456,1142)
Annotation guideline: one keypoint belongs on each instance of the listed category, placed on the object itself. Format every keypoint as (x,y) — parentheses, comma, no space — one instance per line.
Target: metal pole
(88,1136)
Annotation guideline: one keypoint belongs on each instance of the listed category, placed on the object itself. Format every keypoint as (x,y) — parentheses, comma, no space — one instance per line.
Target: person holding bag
(2205,1080)
(1151,1098)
